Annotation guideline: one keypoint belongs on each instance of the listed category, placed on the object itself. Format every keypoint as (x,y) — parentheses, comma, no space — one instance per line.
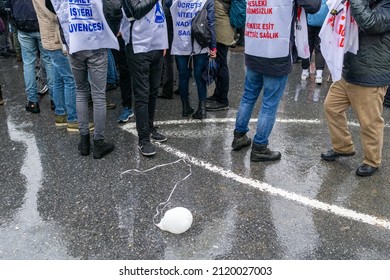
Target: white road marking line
(313,203)
(340,211)
(232,120)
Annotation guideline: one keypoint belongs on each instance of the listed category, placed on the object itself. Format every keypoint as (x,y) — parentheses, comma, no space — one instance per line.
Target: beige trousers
(367,103)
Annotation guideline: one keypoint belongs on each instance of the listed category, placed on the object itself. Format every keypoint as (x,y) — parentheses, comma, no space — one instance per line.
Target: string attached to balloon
(176,220)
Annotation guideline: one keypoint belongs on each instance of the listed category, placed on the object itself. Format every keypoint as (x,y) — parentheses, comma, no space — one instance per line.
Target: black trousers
(146,74)
(314,44)
(124,74)
(222,83)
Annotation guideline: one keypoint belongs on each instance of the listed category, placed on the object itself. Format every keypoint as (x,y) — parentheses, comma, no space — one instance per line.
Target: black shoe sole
(365,174)
(100,156)
(265,159)
(146,154)
(333,158)
(164,96)
(34,111)
(217,109)
(239,147)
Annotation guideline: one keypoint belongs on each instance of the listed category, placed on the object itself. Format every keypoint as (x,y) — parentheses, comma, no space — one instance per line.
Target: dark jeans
(222,83)
(124,74)
(146,71)
(314,44)
(185,74)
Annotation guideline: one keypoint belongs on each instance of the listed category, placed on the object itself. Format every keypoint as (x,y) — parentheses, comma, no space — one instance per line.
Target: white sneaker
(304,76)
(319,80)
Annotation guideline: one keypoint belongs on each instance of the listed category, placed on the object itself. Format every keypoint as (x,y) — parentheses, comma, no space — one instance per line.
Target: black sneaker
(146,148)
(157,137)
(33,107)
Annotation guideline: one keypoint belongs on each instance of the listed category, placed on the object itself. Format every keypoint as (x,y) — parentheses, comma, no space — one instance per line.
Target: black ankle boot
(187,109)
(201,111)
(101,148)
(84,145)
(240,141)
(262,153)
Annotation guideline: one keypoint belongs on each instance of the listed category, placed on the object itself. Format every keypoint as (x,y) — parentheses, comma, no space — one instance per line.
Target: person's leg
(319,59)
(124,82)
(69,86)
(111,71)
(16,43)
(367,104)
(140,66)
(335,106)
(184,77)
(306,61)
(199,62)
(46,61)
(97,69)
(168,76)
(273,91)
(219,100)
(80,74)
(252,87)
(154,83)
(124,74)
(58,89)
(29,47)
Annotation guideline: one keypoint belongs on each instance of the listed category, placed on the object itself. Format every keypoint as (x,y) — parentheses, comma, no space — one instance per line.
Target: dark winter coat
(371,65)
(113,14)
(23,15)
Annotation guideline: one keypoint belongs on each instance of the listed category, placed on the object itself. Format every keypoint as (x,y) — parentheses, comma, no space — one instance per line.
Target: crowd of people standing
(75,39)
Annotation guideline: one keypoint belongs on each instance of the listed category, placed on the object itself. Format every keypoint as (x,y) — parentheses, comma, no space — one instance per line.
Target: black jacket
(283,65)
(23,15)
(138,9)
(371,65)
(113,14)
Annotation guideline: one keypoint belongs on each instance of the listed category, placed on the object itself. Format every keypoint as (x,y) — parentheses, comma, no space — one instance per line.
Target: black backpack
(23,15)
(200,30)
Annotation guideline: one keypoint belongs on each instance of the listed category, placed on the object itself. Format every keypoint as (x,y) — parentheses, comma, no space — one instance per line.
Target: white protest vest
(150,32)
(84,25)
(268,27)
(339,34)
(124,28)
(183,11)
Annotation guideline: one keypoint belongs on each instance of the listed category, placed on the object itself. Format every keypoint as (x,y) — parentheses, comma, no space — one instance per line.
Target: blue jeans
(64,87)
(30,42)
(273,92)
(112,74)
(185,74)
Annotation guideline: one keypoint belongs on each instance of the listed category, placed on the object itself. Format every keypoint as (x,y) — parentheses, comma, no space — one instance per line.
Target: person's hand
(164,52)
(213,53)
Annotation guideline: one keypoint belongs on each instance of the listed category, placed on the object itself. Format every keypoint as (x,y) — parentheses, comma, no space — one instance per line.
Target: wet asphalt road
(55,204)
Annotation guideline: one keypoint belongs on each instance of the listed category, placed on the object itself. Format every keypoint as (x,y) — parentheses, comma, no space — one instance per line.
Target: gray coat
(371,65)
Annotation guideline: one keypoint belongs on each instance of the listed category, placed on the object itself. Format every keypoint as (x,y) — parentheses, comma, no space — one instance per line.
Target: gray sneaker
(146,148)
(156,136)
